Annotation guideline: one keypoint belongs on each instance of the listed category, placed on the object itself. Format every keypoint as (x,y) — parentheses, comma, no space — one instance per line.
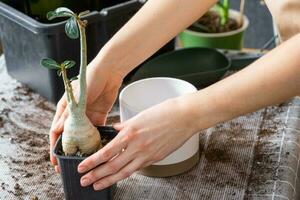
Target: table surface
(251,157)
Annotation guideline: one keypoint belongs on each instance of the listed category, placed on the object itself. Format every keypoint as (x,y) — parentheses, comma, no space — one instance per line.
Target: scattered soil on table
(216,154)
(29,164)
(1,122)
(230,148)
(25,120)
(265,161)
(211,22)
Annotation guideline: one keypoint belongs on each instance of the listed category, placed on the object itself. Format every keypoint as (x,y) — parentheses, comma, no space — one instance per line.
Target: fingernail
(84,182)
(54,127)
(98,186)
(57,169)
(81,168)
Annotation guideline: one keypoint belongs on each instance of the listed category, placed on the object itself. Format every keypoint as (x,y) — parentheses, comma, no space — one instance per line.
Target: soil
(211,23)
(25,119)
(104,140)
(26,172)
(264,166)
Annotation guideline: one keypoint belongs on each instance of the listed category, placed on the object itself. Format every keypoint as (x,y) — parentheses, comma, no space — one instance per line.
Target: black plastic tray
(71,178)
(26,41)
(197,65)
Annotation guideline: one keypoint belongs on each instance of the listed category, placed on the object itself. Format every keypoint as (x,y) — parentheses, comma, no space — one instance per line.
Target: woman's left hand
(143,140)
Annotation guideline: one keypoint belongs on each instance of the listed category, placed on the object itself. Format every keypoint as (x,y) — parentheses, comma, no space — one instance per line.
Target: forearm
(270,80)
(153,26)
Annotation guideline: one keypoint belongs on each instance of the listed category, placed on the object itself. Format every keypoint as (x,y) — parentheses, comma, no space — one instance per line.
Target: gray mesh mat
(252,157)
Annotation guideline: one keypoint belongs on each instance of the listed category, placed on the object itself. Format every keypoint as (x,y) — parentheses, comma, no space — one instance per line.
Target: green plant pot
(228,40)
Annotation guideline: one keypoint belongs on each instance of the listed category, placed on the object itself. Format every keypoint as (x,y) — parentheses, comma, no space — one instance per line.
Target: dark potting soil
(104,141)
(26,172)
(25,119)
(211,22)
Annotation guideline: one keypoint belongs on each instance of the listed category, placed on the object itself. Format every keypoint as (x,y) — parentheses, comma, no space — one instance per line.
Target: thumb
(55,132)
(118,126)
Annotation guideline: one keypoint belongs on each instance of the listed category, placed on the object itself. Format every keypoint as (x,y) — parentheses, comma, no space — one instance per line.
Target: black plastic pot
(71,178)
(26,41)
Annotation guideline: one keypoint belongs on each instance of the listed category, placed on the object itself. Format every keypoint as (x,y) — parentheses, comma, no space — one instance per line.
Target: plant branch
(69,90)
(83,65)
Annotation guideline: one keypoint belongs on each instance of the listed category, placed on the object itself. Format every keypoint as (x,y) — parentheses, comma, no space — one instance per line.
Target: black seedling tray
(71,178)
(26,41)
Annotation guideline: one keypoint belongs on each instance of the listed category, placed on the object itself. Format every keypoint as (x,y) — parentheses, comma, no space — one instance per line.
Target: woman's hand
(143,140)
(102,90)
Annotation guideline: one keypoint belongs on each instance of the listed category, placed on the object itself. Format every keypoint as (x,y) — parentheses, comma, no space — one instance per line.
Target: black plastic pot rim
(56,154)
(43,28)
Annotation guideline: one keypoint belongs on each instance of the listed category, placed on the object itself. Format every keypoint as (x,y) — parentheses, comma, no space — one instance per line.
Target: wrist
(202,110)
(109,59)
(187,112)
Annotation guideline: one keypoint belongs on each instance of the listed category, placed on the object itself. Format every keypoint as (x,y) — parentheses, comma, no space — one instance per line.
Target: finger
(125,172)
(118,126)
(57,169)
(97,118)
(107,152)
(53,138)
(59,125)
(60,108)
(111,167)
(55,132)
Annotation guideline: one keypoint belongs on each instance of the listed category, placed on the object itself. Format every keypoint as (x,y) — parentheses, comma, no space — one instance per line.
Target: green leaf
(84,13)
(51,15)
(64,10)
(50,63)
(74,78)
(71,28)
(60,12)
(69,64)
(59,72)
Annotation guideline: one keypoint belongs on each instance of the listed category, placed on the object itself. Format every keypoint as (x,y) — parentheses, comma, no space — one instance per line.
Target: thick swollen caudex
(80,135)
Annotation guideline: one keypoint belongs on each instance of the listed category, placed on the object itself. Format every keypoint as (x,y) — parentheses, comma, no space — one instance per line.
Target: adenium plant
(79,133)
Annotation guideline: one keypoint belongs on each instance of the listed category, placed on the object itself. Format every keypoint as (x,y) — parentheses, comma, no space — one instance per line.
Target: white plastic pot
(145,93)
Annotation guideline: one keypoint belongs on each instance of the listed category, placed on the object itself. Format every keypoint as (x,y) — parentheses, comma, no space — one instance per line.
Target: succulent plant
(79,133)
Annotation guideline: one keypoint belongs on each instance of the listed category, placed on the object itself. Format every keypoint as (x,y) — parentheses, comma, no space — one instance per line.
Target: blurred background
(261,25)
(260,29)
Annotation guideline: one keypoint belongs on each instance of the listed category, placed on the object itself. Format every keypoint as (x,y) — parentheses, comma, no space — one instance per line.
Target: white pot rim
(233,14)
(124,90)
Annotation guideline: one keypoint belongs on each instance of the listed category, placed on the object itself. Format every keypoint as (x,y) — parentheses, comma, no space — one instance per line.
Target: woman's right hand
(102,89)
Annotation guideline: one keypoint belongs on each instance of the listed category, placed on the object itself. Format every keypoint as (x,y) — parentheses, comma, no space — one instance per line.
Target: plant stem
(223,11)
(83,65)
(226,10)
(69,90)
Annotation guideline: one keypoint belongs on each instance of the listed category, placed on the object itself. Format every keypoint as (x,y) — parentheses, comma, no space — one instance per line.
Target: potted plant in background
(80,137)
(221,27)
